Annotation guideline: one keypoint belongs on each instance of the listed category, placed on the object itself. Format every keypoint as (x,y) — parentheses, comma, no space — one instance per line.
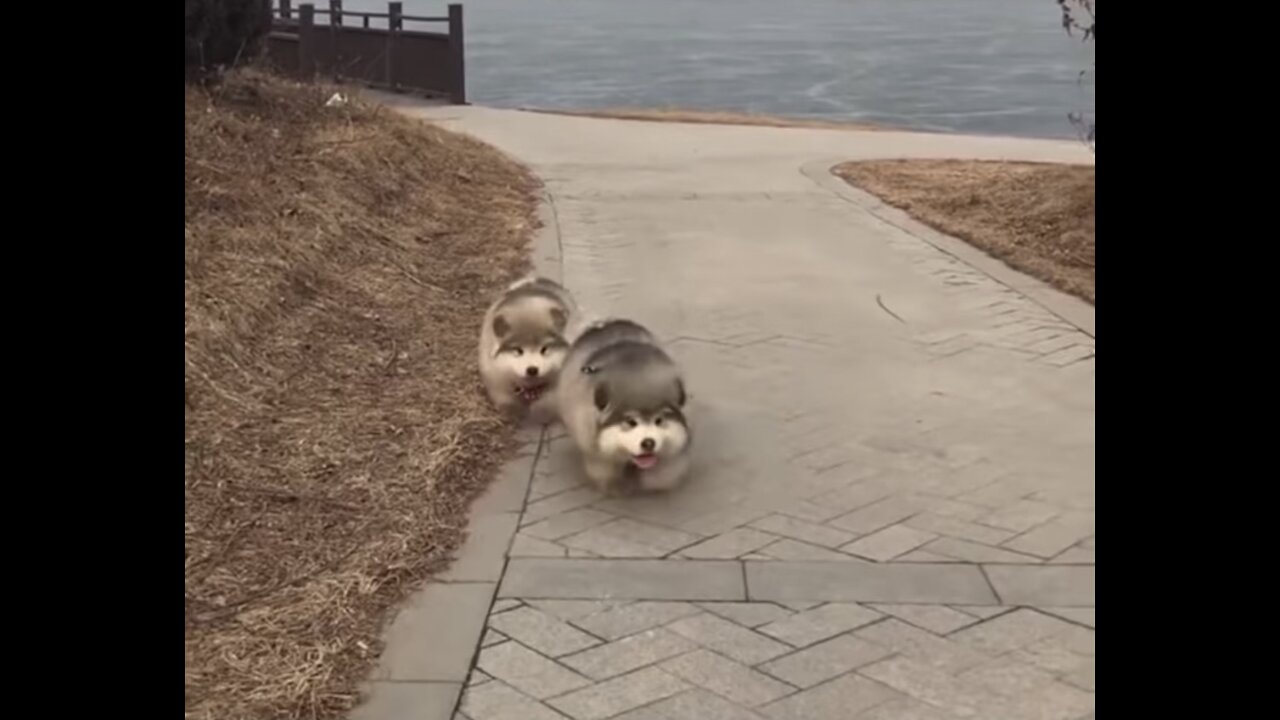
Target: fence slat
(335,38)
(457,57)
(395,13)
(306,41)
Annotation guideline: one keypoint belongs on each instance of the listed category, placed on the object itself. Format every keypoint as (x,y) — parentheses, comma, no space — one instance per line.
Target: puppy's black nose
(647,444)
(531,371)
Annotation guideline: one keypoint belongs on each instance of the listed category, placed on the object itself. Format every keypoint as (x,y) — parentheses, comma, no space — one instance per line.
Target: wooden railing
(388,57)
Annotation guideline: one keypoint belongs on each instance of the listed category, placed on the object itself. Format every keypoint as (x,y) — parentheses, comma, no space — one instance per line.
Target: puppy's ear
(500,326)
(559,319)
(681,397)
(602,397)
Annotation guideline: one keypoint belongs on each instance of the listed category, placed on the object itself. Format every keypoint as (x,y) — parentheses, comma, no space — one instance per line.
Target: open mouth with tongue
(530,393)
(644,461)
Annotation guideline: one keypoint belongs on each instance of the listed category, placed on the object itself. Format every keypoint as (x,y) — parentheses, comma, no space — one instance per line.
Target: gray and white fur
(621,399)
(524,340)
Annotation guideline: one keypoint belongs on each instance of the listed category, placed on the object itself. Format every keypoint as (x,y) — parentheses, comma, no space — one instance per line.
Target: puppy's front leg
(602,472)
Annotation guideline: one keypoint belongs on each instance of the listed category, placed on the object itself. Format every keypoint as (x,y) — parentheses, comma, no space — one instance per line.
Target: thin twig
(416,281)
(885,308)
(391,364)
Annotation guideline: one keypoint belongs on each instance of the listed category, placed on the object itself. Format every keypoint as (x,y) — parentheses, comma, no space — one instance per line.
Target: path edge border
(480,562)
(1069,308)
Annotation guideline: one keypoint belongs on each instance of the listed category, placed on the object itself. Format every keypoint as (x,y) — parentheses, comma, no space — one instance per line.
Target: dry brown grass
(1038,218)
(710,117)
(337,263)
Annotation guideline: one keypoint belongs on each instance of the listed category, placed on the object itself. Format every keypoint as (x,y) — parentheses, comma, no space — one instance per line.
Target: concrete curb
(1071,309)
(433,641)
(615,579)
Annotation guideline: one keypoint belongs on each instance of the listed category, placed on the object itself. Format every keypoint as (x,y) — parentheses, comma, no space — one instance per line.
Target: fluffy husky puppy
(523,344)
(621,399)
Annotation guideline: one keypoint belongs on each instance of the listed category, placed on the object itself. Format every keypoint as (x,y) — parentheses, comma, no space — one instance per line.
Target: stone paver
(728,639)
(797,529)
(544,633)
(824,661)
(808,627)
(893,511)
(889,543)
(1068,585)
(727,678)
(627,618)
(937,619)
(903,583)
(427,646)
(1011,632)
(699,704)
(975,552)
(920,645)
(488,539)
(525,545)
(844,697)
(905,709)
(408,700)
(498,701)
(932,686)
(748,614)
(623,538)
(527,671)
(1082,615)
(567,524)
(629,653)
(618,695)
(733,544)
(626,579)
(1054,536)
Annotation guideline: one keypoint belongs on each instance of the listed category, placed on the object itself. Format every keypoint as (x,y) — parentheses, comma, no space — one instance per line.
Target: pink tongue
(644,462)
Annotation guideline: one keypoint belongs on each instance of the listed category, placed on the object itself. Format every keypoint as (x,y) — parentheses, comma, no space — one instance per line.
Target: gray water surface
(980,66)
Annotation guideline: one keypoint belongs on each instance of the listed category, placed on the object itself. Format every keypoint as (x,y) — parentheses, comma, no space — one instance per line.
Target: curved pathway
(893,517)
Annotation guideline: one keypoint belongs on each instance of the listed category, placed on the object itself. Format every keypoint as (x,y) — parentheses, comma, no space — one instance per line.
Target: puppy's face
(642,438)
(645,439)
(530,357)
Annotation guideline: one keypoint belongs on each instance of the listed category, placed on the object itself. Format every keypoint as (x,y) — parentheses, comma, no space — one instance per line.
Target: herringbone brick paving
(861,400)
(762,660)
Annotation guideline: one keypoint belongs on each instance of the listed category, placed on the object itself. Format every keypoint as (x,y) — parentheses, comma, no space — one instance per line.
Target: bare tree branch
(1078,19)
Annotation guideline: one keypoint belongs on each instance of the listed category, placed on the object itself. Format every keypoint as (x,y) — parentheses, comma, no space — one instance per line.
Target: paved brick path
(893,517)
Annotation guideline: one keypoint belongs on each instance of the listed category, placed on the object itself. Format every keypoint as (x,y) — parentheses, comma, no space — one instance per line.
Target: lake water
(979,66)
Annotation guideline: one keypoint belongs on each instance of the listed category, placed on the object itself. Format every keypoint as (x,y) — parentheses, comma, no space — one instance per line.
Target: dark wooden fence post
(395,22)
(266,13)
(306,46)
(335,36)
(286,9)
(457,57)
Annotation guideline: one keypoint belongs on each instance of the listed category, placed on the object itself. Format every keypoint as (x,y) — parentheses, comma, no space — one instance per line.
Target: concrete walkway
(893,514)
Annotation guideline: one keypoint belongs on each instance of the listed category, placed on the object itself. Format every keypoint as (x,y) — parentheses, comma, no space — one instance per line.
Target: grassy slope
(337,262)
(1038,218)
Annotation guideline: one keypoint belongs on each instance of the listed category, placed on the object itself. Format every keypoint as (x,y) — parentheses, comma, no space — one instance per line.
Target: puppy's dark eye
(546,349)
(631,422)
(659,421)
(517,352)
